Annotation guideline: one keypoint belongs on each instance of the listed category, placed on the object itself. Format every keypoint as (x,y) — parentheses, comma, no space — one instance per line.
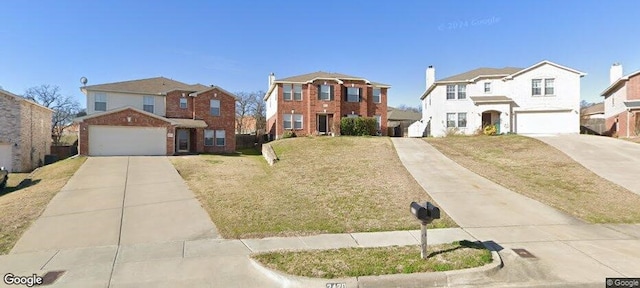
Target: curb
(425,279)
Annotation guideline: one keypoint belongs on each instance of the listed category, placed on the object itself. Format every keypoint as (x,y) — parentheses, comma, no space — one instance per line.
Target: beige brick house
(25,133)
(156,116)
(314,103)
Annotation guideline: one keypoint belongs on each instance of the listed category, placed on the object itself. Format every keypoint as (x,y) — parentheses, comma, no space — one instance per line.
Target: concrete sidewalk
(613,159)
(119,201)
(566,249)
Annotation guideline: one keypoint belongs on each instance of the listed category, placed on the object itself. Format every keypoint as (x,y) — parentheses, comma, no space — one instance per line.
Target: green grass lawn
(355,262)
(537,170)
(25,198)
(320,185)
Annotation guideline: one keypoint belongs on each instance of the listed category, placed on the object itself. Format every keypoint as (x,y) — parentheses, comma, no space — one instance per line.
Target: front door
(183,140)
(486,119)
(322,124)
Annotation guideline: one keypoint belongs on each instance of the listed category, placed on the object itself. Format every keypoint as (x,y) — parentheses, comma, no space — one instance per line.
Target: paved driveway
(613,159)
(119,201)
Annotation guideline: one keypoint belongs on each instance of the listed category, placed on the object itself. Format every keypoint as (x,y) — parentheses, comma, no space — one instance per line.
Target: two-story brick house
(156,116)
(622,103)
(314,103)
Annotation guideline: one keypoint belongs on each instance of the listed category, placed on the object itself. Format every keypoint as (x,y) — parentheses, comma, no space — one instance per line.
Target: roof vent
(212,85)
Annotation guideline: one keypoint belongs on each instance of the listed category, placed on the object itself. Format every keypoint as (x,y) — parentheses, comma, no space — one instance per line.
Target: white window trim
(553,80)
(540,87)
(484,88)
(328,93)
(153,103)
(186,104)
(465,120)
(379,95)
(284,92)
(211,106)
(357,89)
(455,120)
(293,92)
(213,137)
(446,92)
(379,121)
(458,91)
(95,100)
(294,121)
(216,137)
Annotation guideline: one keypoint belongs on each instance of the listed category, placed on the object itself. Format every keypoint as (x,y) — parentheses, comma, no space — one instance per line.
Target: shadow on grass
(27,182)
(241,152)
(489,245)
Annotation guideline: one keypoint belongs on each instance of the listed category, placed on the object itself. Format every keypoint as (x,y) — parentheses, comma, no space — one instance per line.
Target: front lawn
(355,262)
(537,170)
(25,198)
(320,185)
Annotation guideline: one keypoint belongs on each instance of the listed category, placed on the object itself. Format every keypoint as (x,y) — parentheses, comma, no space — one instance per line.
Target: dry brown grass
(320,185)
(634,139)
(25,198)
(355,262)
(537,170)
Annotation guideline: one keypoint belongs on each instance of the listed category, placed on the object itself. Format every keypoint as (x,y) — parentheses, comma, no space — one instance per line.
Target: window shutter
(318,92)
(359,94)
(330,92)
(345,94)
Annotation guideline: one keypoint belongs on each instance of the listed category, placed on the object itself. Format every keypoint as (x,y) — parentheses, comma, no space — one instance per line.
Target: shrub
(361,126)
(490,130)
(452,131)
(288,134)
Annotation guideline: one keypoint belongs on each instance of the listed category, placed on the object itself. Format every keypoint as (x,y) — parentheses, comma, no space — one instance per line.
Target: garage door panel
(6,157)
(124,140)
(546,123)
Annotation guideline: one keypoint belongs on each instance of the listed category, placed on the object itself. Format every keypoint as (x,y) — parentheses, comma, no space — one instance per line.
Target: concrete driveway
(613,159)
(119,201)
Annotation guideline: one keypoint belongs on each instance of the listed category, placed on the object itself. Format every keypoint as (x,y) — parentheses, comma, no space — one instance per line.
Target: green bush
(288,134)
(361,126)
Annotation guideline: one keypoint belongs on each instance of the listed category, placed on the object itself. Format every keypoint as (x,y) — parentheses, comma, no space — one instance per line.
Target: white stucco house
(541,99)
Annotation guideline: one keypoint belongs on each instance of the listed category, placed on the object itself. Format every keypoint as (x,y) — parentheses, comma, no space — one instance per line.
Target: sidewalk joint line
(54,255)
(124,197)
(184,248)
(585,254)
(245,245)
(354,239)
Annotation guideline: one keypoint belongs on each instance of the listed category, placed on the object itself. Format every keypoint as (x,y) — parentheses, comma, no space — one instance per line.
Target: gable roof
(506,73)
(156,86)
(123,108)
(593,109)
(396,114)
(321,75)
(481,72)
(617,83)
(20,98)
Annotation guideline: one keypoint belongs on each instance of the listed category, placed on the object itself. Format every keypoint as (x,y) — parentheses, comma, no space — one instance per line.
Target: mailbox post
(425,214)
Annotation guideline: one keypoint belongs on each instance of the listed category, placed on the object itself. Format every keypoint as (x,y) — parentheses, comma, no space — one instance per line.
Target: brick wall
(10,128)
(35,135)
(310,107)
(120,119)
(226,120)
(633,88)
(173,105)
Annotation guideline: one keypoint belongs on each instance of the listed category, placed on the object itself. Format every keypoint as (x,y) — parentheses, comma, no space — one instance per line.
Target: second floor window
(377,92)
(214,106)
(451,92)
(325,92)
(286,92)
(487,87)
(462,91)
(147,104)
(297,92)
(183,103)
(548,87)
(100,102)
(536,87)
(353,94)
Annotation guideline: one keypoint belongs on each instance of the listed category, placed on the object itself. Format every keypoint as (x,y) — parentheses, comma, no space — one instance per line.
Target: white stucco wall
(614,103)
(117,100)
(272,103)
(566,96)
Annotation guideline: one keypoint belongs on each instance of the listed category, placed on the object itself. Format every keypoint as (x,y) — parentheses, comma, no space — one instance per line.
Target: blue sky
(236,44)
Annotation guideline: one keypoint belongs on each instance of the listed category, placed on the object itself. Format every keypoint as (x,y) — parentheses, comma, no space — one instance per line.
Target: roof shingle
(481,72)
(321,74)
(157,85)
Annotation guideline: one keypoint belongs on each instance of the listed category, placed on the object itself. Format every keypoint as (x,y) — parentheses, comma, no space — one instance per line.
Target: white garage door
(546,122)
(121,140)
(5,156)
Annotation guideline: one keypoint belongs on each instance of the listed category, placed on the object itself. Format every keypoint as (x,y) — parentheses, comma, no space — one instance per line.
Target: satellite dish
(83,80)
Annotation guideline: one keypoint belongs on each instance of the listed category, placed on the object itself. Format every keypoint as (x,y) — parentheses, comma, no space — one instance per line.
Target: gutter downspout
(628,112)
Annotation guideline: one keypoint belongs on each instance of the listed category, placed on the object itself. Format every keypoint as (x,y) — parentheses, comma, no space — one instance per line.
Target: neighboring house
(72,129)
(543,98)
(248,125)
(622,103)
(156,116)
(398,121)
(595,111)
(25,133)
(592,119)
(314,103)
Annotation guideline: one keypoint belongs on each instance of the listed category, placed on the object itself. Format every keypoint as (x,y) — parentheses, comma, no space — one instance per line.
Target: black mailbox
(419,211)
(432,211)
(426,213)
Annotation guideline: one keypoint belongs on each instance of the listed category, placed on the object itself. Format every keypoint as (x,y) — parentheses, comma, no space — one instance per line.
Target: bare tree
(585,104)
(404,107)
(260,111)
(243,109)
(64,107)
